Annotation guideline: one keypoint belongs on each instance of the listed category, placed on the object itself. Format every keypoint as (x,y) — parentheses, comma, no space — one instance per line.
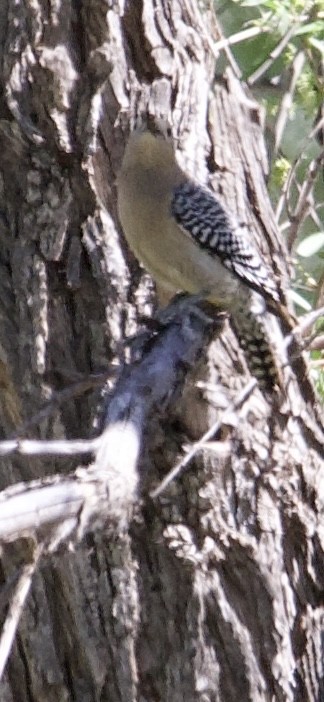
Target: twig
(308,320)
(61,447)
(318,126)
(303,203)
(16,607)
(224,45)
(275,53)
(63,507)
(72,391)
(317,343)
(238,37)
(175,472)
(287,99)
(282,200)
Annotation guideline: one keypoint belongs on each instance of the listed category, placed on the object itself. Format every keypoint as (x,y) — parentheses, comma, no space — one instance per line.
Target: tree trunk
(212,591)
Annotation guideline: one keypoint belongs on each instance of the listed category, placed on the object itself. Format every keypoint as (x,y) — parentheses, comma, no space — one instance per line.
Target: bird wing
(200,214)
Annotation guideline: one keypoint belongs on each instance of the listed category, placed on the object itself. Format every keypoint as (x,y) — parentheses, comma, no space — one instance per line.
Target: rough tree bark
(213,591)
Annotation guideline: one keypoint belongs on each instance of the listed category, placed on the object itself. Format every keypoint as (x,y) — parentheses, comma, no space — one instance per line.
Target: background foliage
(279,50)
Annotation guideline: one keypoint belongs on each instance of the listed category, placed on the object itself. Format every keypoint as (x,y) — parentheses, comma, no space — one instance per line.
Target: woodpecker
(188,242)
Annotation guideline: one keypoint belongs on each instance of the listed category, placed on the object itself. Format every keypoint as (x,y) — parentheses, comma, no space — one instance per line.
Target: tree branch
(62,507)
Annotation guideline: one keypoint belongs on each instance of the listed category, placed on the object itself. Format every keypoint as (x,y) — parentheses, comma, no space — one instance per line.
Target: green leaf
(315,27)
(311,245)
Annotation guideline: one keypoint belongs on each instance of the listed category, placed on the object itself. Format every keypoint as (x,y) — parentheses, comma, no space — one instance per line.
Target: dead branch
(62,508)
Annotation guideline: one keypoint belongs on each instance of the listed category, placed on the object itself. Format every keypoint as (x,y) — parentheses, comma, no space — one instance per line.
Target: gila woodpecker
(188,242)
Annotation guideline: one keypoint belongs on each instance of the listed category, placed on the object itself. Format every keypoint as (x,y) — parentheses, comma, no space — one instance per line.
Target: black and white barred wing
(200,215)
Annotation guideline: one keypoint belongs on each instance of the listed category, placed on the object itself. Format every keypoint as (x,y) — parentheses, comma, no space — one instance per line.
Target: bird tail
(250,322)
